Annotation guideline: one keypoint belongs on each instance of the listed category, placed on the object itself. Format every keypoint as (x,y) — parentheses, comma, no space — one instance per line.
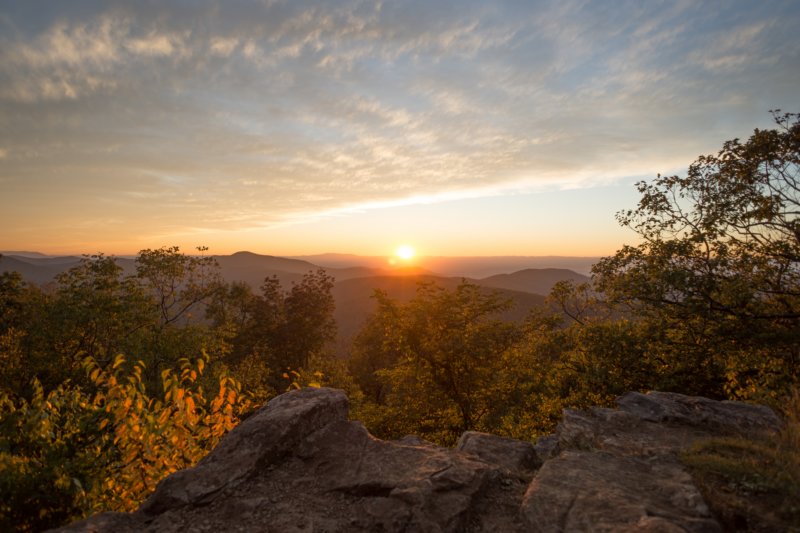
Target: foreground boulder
(620,471)
(299,465)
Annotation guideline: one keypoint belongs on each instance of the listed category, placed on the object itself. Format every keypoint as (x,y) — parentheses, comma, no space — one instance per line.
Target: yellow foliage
(142,439)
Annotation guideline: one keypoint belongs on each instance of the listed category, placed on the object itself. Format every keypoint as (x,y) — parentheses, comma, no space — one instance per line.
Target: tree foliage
(719,263)
(179,284)
(436,363)
(277,331)
(68,453)
(98,312)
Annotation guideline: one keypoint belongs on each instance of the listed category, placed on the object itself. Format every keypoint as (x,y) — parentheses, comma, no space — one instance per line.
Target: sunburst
(405,252)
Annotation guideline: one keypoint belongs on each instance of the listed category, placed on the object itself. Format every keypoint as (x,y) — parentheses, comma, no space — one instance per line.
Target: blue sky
(304,127)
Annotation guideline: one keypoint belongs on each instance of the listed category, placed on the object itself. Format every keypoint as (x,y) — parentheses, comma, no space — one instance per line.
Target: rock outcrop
(299,465)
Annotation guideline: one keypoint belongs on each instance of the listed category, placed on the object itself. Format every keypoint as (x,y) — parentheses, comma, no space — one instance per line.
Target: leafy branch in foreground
(69,453)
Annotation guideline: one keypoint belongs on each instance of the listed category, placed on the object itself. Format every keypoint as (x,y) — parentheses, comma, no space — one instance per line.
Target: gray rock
(547,447)
(119,522)
(621,469)
(599,491)
(298,465)
(414,440)
(511,454)
(724,416)
(263,439)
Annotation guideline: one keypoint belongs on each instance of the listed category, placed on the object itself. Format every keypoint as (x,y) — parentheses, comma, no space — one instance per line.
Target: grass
(752,483)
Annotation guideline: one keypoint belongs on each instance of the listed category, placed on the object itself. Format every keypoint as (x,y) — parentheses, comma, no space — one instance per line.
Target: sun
(405,252)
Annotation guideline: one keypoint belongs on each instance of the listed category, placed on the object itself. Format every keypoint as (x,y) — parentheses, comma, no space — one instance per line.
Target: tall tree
(182,285)
(719,263)
(23,310)
(278,330)
(180,288)
(378,346)
(309,325)
(98,311)
(446,351)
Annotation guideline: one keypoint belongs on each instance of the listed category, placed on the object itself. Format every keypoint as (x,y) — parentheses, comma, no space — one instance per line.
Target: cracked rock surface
(299,465)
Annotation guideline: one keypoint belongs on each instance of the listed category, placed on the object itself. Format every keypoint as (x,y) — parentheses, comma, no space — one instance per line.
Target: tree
(92,309)
(378,346)
(12,299)
(309,325)
(22,307)
(97,311)
(278,330)
(180,288)
(181,284)
(447,370)
(69,453)
(719,264)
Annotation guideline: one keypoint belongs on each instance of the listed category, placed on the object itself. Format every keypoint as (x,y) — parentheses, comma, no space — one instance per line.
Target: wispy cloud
(270,111)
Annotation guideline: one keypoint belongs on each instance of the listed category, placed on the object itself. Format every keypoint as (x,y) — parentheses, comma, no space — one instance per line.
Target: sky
(293,127)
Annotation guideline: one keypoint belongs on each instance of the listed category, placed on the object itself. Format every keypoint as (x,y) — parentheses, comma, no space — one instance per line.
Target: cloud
(733,50)
(68,44)
(152,45)
(222,46)
(267,110)
(74,59)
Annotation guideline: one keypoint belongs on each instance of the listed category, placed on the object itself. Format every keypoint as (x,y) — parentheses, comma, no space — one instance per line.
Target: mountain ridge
(353,288)
(466,266)
(252,268)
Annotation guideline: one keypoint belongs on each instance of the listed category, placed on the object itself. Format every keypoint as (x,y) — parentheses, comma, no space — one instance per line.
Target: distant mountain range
(38,270)
(252,268)
(470,267)
(355,284)
(535,280)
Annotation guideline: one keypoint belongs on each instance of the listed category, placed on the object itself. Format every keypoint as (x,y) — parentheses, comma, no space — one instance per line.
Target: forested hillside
(111,380)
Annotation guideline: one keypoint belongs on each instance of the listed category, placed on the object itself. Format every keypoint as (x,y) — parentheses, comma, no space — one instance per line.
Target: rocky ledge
(299,465)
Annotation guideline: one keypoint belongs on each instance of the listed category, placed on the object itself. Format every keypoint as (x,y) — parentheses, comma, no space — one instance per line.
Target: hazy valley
(357,278)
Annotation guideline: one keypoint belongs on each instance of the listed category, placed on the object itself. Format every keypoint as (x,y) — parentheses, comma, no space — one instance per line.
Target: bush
(70,453)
